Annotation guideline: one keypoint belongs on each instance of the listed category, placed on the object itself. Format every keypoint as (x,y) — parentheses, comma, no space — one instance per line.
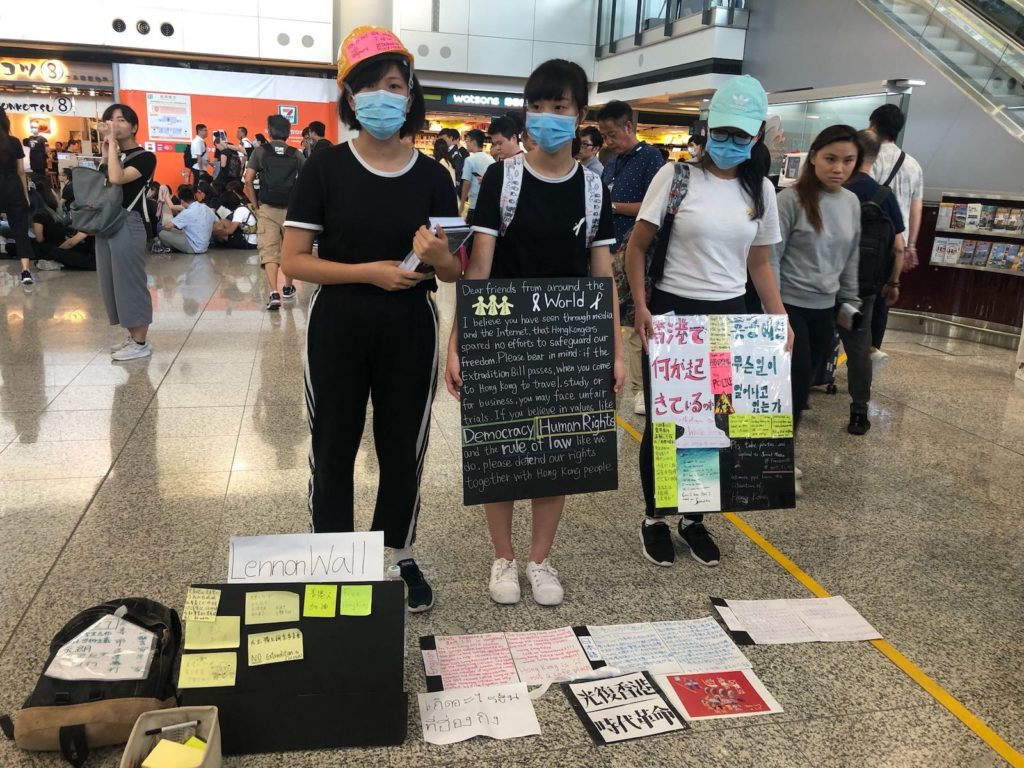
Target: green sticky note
(760,426)
(321,600)
(356,599)
(782,426)
(740,425)
(666,481)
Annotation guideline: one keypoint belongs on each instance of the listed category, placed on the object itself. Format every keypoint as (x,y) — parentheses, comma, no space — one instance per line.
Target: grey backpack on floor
(98,208)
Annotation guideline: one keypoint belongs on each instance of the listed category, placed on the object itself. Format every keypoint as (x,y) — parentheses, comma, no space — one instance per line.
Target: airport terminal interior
(146,474)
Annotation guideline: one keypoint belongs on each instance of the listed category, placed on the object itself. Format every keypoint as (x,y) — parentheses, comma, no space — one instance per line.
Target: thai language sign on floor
(722,412)
(538,410)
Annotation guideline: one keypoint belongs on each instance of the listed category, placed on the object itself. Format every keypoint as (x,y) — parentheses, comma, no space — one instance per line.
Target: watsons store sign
(493,100)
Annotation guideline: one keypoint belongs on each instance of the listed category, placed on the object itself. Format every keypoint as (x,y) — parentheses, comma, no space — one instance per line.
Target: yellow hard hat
(364,43)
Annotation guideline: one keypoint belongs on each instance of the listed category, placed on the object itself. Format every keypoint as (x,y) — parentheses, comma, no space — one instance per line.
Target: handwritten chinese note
(207,670)
(356,599)
(210,635)
(200,604)
(499,712)
(275,647)
(622,708)
(475,661)
(271,607)
(110,649)
(321,600)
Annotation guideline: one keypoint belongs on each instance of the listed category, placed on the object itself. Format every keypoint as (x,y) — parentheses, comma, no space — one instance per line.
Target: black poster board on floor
(538,410)
(347,691)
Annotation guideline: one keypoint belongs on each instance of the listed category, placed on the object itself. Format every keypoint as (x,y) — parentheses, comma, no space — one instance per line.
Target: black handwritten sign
(538,411)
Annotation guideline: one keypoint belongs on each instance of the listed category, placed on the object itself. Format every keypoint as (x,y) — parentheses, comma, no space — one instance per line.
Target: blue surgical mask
(550,131)
(727,154)
(381,113)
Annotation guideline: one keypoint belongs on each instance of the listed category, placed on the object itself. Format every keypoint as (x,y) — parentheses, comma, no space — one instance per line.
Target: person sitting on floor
(190,230)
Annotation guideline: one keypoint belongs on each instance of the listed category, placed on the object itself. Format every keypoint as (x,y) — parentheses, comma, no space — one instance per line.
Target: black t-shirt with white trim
(548,235)
(366,215)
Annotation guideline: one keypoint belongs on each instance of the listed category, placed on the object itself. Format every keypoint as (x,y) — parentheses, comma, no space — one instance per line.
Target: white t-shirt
(245,218)
(199,153)
(907,186)
(711,234)
(473,170)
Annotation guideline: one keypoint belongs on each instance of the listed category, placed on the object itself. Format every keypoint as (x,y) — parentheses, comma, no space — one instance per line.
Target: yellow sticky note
(271,607)
(719,329)
(207,670)
(275,647)
(666,482)
(740,425)
(782,426)
(200,604)
(321,600)
(356,599)
(209,635)
(196,743)
(171,754)
(760,426)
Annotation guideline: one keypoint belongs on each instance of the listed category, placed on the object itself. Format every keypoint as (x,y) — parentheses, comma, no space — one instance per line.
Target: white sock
(398,555)
(653,520)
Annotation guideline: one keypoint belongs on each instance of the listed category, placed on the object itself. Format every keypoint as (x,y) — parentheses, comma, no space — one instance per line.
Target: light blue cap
(740,103)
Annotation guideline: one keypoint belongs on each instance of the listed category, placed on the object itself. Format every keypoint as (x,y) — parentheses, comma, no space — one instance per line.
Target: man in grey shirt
(590,146)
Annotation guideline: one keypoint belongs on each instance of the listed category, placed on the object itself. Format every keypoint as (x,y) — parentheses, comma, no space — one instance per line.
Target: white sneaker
(122,343)
(547,589)
(505,582)
(639,405)
(798,487)
(798,473)
(45,265)
(133,351)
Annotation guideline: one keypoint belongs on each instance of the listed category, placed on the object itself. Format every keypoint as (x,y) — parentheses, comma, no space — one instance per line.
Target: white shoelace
(543,572)
(506,571)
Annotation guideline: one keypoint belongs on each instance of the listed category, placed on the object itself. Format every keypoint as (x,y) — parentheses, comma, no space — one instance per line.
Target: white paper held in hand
(499,712)
(305,557)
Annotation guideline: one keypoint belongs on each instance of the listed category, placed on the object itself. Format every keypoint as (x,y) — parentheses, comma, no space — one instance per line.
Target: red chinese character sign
(722,413)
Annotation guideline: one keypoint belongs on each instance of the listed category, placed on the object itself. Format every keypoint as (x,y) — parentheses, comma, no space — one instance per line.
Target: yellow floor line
(968,718)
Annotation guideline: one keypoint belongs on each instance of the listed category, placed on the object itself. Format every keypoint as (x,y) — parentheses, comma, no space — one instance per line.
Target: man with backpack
(317,141)
(197,156)
(277,166)
(881,260)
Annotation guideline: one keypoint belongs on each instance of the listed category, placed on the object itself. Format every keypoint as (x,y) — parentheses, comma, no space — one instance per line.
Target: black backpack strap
(879,197)
(73,745)
(896,168)
(7,726)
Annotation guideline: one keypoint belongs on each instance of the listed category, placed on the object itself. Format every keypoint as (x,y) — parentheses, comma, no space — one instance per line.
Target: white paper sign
(808,620)
(700,645)
(110,649)
(303,557)
(630,647)
(501,712)
(553,655)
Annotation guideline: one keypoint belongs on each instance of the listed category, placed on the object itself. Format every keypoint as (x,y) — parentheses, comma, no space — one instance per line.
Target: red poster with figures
(710,695)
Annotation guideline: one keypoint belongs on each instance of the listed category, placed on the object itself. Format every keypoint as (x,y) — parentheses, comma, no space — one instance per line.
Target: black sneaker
(859,423)
(702,546)
(26,278)
(657,543)
(288,292)
(275,301)
(421,596)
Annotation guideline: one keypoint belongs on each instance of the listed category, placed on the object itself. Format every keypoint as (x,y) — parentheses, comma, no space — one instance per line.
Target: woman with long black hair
(372,327)
(724,228)
(818,258)
(14,194)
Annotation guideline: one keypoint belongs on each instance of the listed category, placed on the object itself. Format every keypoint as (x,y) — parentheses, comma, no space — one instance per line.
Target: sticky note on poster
(271,607)
(321,601)
(275,647)
(200,604)
(761,426)
(356,599)
(740,425)
(721,373)
(207,670)
(209,635)
(719,333)
(699,480)
(782,426)
(666,484)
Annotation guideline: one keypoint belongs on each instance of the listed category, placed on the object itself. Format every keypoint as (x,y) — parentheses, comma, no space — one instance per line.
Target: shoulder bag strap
(680,186)
(896,168)
(593,193)
(73,744)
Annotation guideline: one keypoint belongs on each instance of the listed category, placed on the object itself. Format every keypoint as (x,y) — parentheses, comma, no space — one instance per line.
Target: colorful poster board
(538,410)
(722,413)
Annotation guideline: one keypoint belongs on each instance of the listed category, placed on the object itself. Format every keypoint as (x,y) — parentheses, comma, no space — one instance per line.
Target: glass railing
(988,61)
(624,20)
(1007,16)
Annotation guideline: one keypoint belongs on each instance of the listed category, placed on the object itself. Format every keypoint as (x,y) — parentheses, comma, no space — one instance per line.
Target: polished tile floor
(128,479)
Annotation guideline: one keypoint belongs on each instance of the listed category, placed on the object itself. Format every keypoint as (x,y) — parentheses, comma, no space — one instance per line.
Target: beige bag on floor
(140,745)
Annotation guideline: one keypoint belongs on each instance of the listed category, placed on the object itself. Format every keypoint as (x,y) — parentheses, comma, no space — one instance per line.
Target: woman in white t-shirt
(724,228)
